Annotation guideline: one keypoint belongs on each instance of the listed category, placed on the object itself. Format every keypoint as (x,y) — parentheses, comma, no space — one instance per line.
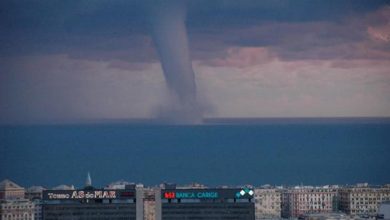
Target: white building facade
(18,209)
(13,205)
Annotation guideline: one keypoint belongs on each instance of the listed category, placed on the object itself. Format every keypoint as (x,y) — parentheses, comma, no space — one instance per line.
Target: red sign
(169,195)
(127,194)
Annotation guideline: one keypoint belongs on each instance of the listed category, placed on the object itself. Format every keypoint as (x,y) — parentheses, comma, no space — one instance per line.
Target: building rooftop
(36,189)
(9,185)
(63,187)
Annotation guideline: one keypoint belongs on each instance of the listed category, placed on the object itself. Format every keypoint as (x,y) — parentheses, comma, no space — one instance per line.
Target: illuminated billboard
(87,194)
(244,193)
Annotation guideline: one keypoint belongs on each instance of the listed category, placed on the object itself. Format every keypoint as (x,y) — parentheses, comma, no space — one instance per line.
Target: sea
(218,152)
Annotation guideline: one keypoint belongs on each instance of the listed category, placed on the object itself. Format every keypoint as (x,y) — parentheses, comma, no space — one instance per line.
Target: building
(302,200)
(89,204)
(121,203)
(38,209)
(120,184)
(13,205)
(148,197)
(64,187)
(10,190)
(17,209)
(363,200)
(149,204)
(268,203)
(325,216)
(34,192)
(205,203)
(384,210)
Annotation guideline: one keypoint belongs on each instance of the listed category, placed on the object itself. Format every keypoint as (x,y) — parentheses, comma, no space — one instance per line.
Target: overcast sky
(89,59)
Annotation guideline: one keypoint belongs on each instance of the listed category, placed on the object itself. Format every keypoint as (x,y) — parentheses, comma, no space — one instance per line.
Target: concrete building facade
(13,205)
(10,190)
(149,204)
(268,203)
(363,200)
(302,200)
(17,209)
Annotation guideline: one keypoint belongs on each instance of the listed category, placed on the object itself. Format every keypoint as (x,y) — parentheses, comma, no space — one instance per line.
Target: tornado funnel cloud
(170,38)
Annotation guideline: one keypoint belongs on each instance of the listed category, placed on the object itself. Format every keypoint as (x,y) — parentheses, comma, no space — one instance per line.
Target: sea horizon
(205,121)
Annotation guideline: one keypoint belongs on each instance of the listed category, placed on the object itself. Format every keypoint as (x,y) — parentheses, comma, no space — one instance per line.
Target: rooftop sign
(207,194)
(191,195)
(87,194)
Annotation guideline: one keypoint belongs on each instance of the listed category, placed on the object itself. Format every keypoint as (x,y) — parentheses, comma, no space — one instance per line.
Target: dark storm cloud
(84,29)
(105,30)
(88,15)
(248,12)
(352,36)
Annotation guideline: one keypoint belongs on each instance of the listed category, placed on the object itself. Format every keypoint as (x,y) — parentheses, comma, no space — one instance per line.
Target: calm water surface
(291,153)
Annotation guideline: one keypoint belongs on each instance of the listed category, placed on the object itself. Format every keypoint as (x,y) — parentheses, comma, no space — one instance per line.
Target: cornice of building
(7,184)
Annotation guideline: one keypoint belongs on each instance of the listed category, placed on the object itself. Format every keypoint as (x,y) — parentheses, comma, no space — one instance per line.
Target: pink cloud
(363,37)
(241,57)
(381,33)
(123,65)
(358,63)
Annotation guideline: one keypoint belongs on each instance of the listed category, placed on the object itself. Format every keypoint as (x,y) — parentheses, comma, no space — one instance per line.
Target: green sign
(196,195)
